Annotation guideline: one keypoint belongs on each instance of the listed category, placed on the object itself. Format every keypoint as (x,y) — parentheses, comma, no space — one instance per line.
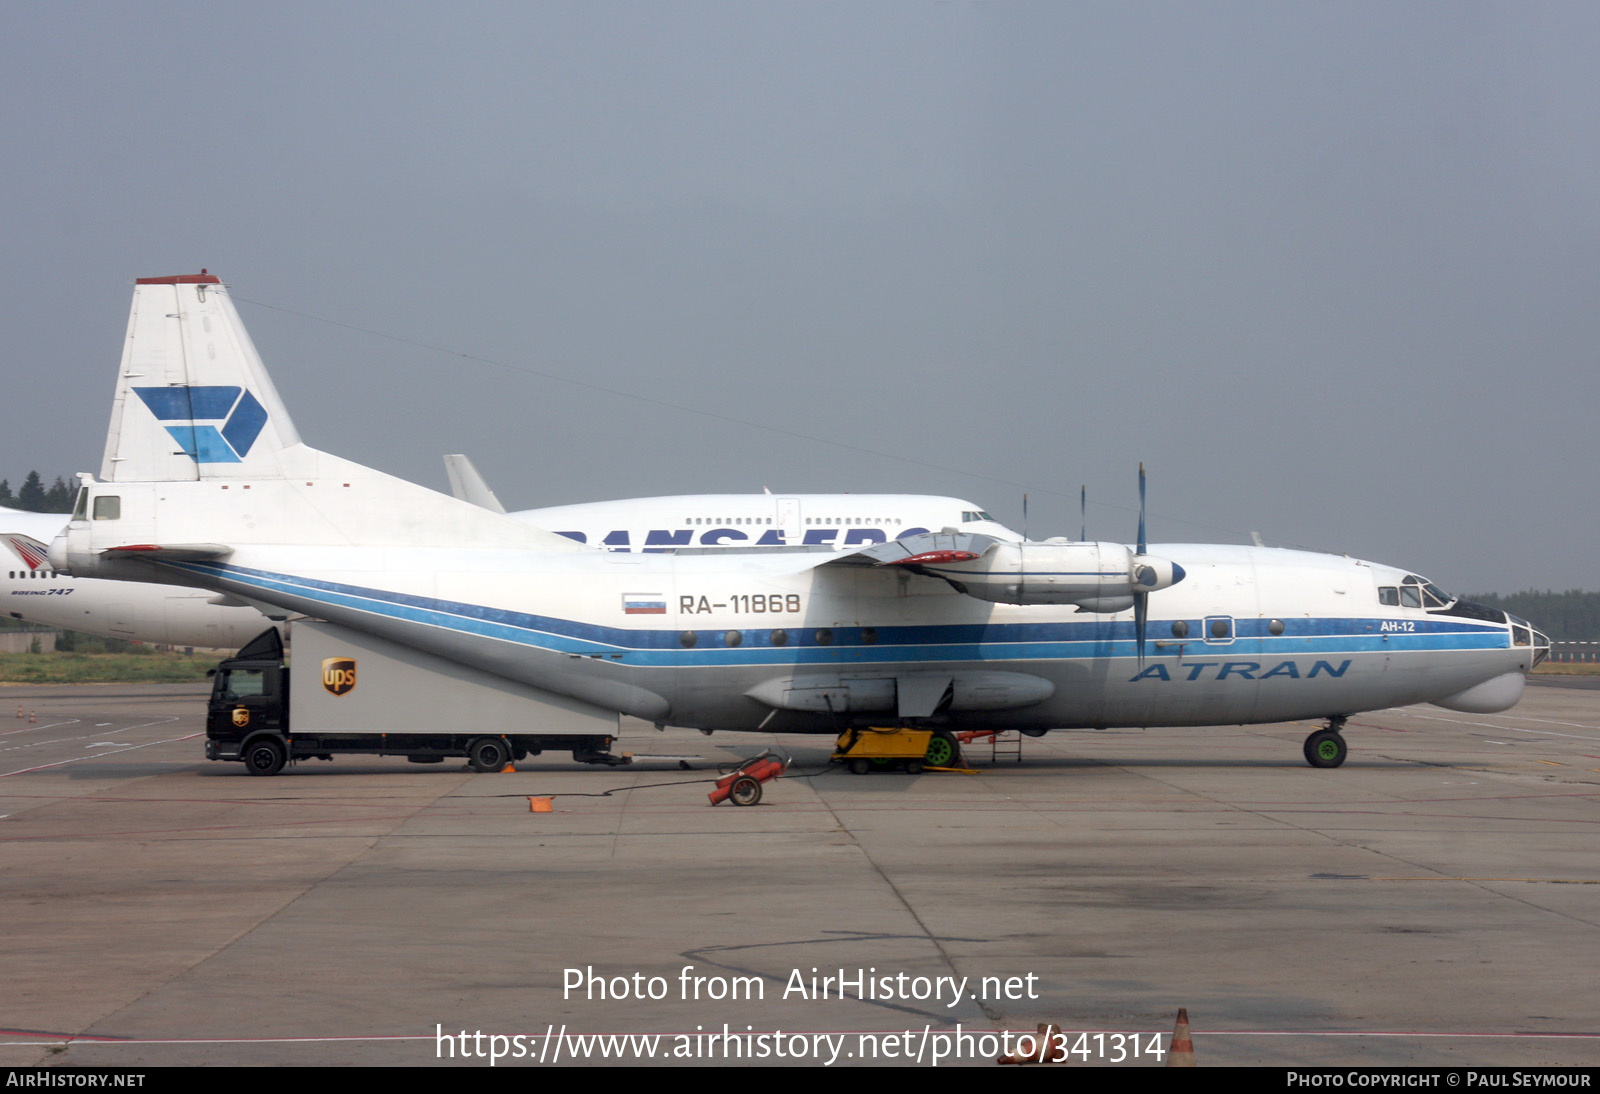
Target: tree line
(34,497)
(1572,616)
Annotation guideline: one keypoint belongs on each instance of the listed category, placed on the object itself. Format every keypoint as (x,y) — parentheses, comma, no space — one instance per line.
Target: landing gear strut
(1325,748)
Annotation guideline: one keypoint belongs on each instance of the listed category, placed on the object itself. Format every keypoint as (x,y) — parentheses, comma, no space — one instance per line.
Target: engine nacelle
(1098,577)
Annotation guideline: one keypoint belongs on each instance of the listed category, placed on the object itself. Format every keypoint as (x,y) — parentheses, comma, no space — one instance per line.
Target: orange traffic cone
(1181,1052)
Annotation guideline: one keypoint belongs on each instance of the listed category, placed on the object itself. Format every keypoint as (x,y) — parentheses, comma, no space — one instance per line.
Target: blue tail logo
(216,424)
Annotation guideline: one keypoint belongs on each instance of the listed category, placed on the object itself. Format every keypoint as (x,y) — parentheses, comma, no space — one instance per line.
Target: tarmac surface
(1435,901)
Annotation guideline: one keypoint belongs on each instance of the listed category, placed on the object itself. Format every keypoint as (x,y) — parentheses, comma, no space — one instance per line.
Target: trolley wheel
(942,750)
(488,754)
(859,766)
(1325,748)
(265,757)
(745,791)
(913,767)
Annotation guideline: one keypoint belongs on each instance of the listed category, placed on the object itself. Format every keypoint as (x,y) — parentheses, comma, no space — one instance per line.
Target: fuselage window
(107,507)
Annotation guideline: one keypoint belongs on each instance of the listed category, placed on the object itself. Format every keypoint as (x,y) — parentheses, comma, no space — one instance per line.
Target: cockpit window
(1389,595)
(81,509)
(1417,592)
(970,515)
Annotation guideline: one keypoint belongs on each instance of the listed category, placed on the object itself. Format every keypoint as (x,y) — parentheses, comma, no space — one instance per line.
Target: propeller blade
(1142,549)
(1141,615)
(1141,601)
(1083,513)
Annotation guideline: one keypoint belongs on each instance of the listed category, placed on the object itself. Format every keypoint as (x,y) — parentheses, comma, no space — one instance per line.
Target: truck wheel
(745,791)
(264,757)
(488,754)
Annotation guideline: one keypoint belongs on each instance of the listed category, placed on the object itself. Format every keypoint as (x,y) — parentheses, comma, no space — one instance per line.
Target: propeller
(1149,575)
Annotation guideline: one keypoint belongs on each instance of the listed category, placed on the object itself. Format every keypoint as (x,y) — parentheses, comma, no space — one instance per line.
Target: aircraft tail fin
(193,400)
(468,485)
(202,458)
(35,555)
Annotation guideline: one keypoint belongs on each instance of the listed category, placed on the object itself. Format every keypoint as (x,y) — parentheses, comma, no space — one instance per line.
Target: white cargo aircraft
(206,482)
(31,590)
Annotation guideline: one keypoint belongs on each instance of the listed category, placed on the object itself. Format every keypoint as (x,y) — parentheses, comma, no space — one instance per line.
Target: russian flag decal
(644,604)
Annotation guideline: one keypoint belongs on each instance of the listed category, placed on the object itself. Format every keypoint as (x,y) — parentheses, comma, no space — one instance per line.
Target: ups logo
(241,717)
(338,674)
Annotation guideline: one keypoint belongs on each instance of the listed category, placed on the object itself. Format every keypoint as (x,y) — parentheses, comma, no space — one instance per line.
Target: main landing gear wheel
(488,754)
(265,757)
(942,750)
(1325,748)
(745,791)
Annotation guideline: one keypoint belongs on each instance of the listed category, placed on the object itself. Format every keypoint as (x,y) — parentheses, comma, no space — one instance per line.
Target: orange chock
(1181,1052)
(541,805)
(509,767)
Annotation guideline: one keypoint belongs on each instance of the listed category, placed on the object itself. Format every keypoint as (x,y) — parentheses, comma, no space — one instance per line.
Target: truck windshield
(238,683)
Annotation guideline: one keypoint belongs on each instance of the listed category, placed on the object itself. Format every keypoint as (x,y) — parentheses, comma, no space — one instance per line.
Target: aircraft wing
(926,549)
(171,552)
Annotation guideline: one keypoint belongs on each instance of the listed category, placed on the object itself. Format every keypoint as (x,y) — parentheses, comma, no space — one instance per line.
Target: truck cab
(248,714)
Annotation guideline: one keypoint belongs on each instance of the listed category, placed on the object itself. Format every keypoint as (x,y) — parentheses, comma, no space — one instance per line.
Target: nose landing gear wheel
(1325,748)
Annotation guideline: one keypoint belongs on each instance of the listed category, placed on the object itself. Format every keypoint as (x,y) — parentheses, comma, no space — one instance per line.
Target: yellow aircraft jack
(895,748)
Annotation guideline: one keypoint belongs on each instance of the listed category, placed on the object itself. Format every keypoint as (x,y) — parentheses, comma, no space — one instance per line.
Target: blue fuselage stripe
(1056,640)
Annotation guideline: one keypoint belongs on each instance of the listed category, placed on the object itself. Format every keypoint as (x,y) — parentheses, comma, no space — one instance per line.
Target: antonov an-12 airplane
(424,609)
(31,590)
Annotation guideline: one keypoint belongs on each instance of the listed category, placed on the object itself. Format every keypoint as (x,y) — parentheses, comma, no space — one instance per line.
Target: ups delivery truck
(350,692)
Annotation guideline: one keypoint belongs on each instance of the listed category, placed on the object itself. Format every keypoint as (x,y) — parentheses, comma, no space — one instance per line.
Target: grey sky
(1329,270)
